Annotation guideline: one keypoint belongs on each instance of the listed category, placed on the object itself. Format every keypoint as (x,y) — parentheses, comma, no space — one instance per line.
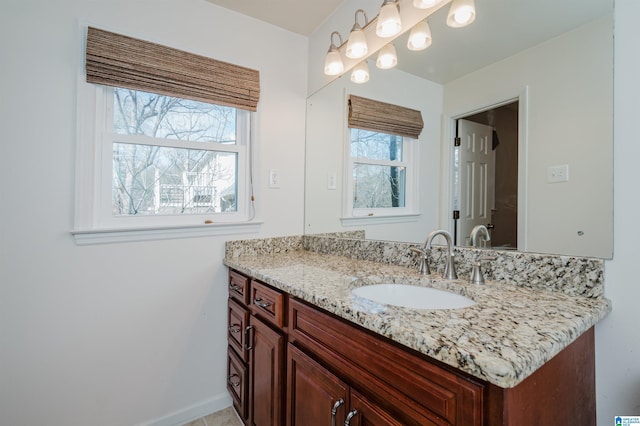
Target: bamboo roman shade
(117,60)
(378,116)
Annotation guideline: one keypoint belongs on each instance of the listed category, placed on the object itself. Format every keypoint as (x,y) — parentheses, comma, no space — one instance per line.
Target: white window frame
(94,222)
(360,216)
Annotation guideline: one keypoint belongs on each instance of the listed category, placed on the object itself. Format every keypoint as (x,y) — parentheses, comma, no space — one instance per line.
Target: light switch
(331,181)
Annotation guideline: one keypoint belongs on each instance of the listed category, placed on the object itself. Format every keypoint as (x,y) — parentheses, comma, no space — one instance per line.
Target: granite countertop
(507,335)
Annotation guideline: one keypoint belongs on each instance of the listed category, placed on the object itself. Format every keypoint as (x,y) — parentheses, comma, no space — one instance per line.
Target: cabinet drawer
(237,322)
(237,383)
(239,287)
(267,303)
(391,375)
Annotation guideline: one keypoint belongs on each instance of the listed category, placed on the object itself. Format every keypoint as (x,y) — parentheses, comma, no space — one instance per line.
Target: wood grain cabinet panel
(237,384)
(415,391)
(237,323)
(266,384)
(267,303)
(239,287)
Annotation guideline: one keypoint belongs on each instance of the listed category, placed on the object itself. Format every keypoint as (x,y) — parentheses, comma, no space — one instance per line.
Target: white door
(476,178)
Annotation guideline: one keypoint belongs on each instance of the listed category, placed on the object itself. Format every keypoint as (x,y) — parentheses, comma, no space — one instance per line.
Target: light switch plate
(331,181)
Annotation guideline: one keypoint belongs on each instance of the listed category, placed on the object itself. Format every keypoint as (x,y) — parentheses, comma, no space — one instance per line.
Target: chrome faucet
(449,272)
(475,233)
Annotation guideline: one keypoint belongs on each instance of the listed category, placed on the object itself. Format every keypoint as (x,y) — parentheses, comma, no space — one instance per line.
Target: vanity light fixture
(387,57)
(360,73)
(424,4)
(389,23)
(419,37)
(357,43)
(333,63)
(461,13)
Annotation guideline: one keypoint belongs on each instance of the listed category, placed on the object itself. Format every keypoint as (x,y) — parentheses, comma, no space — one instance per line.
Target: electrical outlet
(557,174)
(274,178)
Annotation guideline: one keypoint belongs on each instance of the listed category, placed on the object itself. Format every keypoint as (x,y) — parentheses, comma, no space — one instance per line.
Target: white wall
(326,139)
(569,112)
(617,336)
(132,333)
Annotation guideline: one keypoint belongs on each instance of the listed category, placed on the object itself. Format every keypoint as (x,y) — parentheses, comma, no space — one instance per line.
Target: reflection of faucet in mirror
(475,233)
(449,272)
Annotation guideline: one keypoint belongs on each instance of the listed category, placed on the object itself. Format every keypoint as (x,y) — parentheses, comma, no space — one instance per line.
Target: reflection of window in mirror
(381,171)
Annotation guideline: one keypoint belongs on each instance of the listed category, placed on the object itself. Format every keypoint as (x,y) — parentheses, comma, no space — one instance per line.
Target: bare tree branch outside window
(155,179)
(377,182)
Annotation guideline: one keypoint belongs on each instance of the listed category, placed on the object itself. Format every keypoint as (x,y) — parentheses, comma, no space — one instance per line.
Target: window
(382,153)
(163,141)
(381,173)
(171,156)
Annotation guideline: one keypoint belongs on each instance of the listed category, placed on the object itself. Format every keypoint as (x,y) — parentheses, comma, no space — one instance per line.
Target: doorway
(501,193)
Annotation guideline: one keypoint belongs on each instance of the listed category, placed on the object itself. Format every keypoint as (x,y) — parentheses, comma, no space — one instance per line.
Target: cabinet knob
(231,382)
(235,288)
(234,328)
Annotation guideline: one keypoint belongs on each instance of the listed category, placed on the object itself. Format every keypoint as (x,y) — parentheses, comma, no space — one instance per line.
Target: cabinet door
(363,412)
(266,374)
(237,321)
(313,393)
(237,383)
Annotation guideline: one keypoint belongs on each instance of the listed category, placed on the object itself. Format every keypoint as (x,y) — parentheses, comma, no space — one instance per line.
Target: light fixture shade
(357,44)
(461,13)
(387,57)
(419,37)
(389,23)
(360,73)
(333,63)
(424,4)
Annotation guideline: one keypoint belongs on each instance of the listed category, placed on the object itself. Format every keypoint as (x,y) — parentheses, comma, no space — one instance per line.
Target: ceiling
(298,16)
(501,29)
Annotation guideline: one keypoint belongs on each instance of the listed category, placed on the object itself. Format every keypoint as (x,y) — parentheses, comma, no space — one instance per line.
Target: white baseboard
(193,412)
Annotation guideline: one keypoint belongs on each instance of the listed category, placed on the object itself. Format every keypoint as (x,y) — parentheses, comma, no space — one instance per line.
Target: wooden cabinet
(295,364)
(401,385)
(266,372)
(316,396)
(255,362)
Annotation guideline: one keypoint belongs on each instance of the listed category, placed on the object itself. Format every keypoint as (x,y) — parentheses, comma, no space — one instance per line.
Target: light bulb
(461,13)
(357,44)
(389,23)
(360,73)
(333,64)
(387,57)
(419,37)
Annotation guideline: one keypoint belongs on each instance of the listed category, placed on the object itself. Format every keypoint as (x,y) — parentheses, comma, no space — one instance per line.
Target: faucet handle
(423,266)
(476,276)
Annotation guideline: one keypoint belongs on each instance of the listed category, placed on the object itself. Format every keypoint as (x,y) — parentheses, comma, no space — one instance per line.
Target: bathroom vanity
(304,351)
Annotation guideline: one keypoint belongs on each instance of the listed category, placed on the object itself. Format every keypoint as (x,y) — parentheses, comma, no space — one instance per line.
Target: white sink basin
(412,296)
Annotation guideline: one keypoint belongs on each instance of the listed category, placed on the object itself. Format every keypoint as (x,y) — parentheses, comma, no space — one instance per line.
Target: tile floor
(226,417)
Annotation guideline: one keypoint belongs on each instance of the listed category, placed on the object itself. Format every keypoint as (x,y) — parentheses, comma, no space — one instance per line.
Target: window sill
(125,235)
(376,220)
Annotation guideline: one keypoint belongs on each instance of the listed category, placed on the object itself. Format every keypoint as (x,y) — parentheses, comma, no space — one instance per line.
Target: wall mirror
(540,83)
